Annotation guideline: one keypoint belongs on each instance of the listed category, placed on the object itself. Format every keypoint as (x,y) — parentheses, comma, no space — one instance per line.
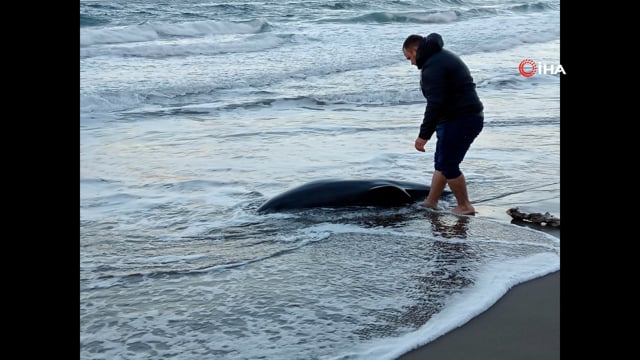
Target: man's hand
(420,143)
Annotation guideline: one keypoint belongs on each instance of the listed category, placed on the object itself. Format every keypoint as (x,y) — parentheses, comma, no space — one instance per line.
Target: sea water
(194,113)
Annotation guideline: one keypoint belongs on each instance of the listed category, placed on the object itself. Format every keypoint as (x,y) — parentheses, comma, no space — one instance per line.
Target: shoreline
(523,324)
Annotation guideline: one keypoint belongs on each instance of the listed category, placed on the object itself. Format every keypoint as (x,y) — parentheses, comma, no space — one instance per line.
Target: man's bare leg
(438,182)
(459,188)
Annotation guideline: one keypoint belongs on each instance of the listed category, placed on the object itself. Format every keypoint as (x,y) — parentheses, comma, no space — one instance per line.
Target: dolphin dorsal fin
(387,195)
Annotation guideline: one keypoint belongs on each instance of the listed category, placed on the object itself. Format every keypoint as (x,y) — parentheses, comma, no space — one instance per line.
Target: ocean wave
(530,37)
(89,20)
(369,98)
(150,32)
(535,7)
(187,47)
(343,5)
(444,12)
(386,17)
(517,121)
(483,10)
(176,101)
(511,81)
(109,102)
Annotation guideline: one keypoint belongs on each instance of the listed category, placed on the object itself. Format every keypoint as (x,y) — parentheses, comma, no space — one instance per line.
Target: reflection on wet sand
(448,225)
(447,270)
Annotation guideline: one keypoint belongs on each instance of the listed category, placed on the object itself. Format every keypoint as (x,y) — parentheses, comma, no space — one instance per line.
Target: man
(454,112)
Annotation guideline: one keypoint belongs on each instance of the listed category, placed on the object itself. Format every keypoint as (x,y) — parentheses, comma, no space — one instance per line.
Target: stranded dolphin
(338,193)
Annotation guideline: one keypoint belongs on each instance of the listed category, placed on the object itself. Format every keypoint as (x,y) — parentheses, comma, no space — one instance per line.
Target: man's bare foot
(429,205)
(464,210)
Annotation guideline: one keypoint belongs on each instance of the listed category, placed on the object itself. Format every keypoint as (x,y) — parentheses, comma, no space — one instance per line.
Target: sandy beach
(524,324)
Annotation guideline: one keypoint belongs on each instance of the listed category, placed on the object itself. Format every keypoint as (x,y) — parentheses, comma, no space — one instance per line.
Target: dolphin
(333,193)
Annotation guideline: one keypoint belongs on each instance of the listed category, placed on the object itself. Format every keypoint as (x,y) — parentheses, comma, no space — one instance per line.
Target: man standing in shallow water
(454,112)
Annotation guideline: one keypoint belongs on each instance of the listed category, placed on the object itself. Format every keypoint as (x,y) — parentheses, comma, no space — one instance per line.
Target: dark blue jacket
(446,84)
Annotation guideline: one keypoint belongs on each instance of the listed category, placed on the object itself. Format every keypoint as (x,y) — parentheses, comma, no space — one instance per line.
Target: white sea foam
(204,46)
(149,32)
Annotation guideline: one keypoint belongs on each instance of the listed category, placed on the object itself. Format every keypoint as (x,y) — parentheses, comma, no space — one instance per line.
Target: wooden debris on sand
(545,219)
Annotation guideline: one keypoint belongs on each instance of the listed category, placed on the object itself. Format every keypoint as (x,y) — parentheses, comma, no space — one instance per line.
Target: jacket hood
(429,45)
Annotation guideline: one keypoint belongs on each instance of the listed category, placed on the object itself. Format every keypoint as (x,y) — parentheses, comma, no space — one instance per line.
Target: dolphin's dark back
(338,193)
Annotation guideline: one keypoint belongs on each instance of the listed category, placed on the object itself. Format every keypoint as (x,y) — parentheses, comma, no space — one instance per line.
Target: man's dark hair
(411,41)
